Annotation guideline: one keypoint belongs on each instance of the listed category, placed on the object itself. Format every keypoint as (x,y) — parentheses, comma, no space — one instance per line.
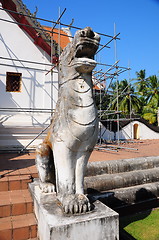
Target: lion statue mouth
(86,45)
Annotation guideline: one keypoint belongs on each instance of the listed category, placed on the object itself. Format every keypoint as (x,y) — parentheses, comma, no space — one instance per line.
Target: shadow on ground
(145,201)
(14,161)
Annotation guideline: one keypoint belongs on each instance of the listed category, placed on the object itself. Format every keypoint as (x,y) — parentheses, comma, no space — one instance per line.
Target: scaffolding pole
(105,75)
(49,21)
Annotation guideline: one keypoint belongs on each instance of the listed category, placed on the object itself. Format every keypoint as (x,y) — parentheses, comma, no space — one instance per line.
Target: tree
(152,90)
(102,100)
(141,83)
(141,86)
(126,100)
(141,98)
(152,100)
(149,114)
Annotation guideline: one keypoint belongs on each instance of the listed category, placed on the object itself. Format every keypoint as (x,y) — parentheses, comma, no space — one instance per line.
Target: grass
(142,226)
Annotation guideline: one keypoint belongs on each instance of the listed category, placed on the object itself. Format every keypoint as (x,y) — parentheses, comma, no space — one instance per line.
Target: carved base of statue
(101,223)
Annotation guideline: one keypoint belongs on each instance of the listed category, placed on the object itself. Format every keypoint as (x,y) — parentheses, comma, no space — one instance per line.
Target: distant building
(28,80)
(137,128)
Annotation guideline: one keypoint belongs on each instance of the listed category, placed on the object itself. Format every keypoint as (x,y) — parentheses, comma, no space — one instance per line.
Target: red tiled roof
(96,87)
(64,39)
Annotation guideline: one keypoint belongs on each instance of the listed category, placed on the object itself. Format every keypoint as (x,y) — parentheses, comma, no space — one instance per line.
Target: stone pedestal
(100,224)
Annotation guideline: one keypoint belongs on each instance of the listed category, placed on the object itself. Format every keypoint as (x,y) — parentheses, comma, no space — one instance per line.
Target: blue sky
(136,20)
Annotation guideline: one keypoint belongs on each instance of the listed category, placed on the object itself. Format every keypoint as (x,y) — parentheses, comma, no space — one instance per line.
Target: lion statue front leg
(70,179)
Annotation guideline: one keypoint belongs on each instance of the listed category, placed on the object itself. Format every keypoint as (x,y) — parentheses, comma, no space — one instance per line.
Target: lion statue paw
(75,203)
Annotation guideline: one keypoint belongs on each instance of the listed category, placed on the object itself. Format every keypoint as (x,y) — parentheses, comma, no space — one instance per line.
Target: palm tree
(153,90)
(141,86)
(141,83)
(126,100)
(152,97)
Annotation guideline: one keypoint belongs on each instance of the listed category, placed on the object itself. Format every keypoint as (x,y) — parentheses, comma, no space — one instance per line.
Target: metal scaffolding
(101,76)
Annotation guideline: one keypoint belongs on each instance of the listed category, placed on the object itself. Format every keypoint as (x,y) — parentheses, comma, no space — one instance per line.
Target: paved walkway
(13,164)
(127,150)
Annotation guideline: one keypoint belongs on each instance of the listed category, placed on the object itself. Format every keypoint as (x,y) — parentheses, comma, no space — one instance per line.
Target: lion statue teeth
(62,157)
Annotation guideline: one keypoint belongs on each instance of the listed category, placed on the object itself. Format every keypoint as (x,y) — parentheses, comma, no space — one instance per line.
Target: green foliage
(127,100)
(141,83)
(151,99)
(149,113)
(141,98)
(150,117)
(103,101)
